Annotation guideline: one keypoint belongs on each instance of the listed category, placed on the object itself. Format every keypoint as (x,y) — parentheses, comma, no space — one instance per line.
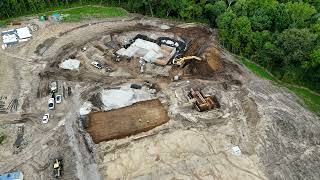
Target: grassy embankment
(76,13)
(84,12)
(310,98)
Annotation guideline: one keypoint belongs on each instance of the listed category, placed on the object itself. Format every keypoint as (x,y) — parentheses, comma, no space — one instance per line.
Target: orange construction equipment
(201,102)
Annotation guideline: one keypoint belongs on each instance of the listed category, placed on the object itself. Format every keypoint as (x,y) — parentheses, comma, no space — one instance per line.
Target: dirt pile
(118,123)
(197,39)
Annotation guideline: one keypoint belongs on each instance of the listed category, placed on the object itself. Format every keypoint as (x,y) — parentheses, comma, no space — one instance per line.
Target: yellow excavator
(57,168)
(184,60)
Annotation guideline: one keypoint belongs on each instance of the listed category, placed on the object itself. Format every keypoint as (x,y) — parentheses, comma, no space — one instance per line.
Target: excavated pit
(122,122)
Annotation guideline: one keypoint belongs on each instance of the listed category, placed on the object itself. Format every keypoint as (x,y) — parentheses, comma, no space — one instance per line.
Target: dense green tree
(224,24)
(314,59)
(170,8)
(300,13)
(189,9)
(214,10)
(296,45)
(281,18)
(241,34)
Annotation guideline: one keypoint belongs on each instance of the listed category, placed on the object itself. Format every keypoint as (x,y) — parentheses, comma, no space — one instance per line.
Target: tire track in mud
(226,157)
(84,171)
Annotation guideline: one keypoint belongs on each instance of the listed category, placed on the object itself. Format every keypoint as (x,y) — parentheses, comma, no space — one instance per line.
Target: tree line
(281,35)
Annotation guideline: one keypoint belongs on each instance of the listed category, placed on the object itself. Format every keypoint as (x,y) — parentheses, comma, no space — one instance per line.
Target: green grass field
(311,99)
(258,70)
(84,12)
(78,13)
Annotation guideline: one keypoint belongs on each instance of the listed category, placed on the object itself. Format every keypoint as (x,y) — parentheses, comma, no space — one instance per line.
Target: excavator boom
(182,61)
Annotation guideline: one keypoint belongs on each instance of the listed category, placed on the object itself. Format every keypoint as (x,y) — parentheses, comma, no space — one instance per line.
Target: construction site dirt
(123,117)
(114,124)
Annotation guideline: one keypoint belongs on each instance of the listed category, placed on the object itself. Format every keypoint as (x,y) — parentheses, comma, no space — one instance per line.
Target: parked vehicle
(45,118)
(96,64)
(51,103)
(54,86)
(58,99)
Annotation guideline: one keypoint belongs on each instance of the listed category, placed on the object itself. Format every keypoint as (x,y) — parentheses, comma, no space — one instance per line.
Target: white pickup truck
(54,86)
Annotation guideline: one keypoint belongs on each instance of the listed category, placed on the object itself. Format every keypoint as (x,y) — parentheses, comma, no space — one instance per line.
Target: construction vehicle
(201,102)
(57,168)
(182,62)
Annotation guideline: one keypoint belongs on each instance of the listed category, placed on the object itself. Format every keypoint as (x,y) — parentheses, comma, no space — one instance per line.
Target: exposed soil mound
(118,123)
(197,39)
(213,57)
(45,45)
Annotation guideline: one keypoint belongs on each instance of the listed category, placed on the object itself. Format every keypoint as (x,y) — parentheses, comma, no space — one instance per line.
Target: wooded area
(280,35)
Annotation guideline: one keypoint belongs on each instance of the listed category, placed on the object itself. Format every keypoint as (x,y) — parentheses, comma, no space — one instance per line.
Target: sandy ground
(278,137)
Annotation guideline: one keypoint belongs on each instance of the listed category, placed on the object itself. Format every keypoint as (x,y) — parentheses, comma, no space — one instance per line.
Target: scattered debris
(13,105)
(142,65)
(33,27)
(236,151)
(125,96)
(135,86)
(153,69)
(17,144)
(3,104)
(85,109)
(69,91)
(83,49)
(164,27)
(226,115)
(15,23)
(70,64)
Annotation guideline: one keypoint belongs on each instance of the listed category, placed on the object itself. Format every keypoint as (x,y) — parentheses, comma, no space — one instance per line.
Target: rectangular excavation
(126,121)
